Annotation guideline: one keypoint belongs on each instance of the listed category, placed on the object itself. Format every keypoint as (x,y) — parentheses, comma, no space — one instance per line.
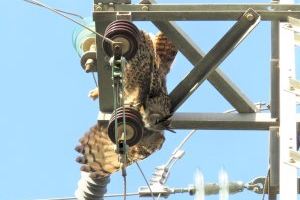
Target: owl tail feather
(99,157)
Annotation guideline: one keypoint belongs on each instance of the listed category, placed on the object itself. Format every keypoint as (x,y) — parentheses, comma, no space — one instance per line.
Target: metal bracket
(294,88)
(124,16)
(294,159)
(294,24)
(295,84)
(209,189)
(257,185)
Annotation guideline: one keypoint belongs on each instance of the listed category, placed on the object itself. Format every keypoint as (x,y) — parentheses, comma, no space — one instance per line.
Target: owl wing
(165,52)
(100,158)
(158,103)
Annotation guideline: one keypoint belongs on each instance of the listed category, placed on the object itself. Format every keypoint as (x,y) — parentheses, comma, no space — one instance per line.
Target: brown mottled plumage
(99,156)
(146,91)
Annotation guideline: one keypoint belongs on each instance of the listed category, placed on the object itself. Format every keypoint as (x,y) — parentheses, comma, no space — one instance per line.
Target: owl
(145,90)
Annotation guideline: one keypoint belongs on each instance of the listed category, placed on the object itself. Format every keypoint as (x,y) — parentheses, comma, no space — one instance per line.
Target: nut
(98,7)
(250,17)
(145,8)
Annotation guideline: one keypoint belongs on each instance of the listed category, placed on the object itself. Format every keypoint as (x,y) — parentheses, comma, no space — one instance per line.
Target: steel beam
(287,113)
(223,121)
(273,162)
(220,121)
(295,156)
(197,12)
(214,57)
(274,109)
(104,72)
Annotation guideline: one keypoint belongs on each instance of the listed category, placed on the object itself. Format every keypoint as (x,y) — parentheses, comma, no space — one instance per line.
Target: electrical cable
(170,162)
(124,183)
(120,195)
(184,141)
(140,169)
(69,13)
(106,196)
(66,198)
(94,77)
(265,183)
(34,2)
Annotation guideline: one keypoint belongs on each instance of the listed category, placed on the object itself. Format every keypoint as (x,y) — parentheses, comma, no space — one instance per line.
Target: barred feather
(100,158)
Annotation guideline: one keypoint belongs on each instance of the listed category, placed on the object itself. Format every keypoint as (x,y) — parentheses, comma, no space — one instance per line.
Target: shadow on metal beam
(214,57)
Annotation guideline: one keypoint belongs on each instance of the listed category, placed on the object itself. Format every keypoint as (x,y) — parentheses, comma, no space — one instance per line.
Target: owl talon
(171,130)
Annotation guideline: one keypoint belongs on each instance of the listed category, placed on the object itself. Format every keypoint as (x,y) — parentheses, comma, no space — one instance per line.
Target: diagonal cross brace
(215,56)
(194,54)
(217,78)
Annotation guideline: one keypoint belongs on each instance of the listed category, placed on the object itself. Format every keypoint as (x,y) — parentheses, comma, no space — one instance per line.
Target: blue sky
(45,109)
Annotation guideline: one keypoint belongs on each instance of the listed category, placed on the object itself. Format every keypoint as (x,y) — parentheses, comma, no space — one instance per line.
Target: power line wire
(57,11)
(106,196)
(140,169)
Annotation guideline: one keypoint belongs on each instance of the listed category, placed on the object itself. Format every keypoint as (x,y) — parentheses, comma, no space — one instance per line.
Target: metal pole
(274,135)
(274,163)
(287,112)
(104,72)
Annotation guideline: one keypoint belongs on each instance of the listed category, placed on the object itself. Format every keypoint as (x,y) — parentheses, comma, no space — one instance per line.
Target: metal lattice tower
(281,121)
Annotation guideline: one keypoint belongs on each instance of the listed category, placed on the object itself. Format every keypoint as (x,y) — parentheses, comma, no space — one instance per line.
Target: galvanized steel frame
(196,12)
(283,114)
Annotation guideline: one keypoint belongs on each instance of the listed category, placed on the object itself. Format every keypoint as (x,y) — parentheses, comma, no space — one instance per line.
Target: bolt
(98,7)
(145,2)
(250,16)
(111,7)
(145,8)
